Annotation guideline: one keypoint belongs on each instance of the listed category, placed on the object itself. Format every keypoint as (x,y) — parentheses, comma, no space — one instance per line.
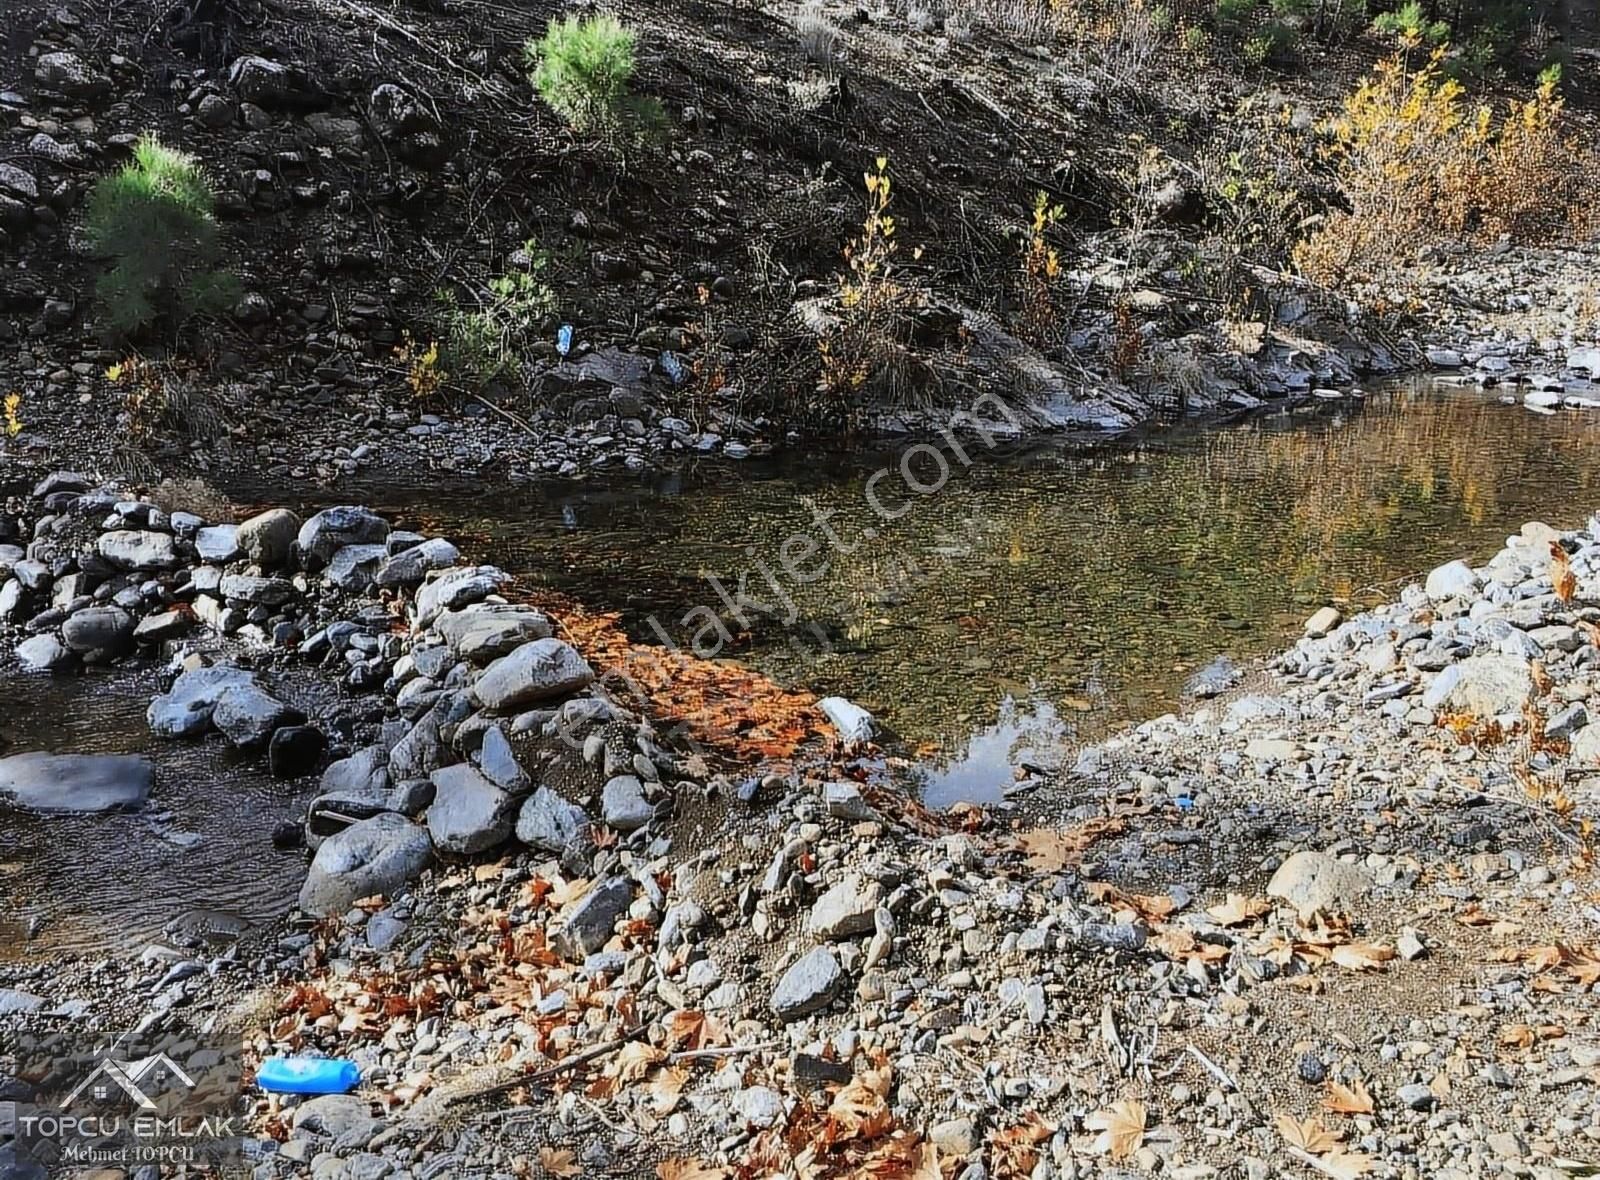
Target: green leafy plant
(1410,24)
(488,338)
(154,218)
(583,67)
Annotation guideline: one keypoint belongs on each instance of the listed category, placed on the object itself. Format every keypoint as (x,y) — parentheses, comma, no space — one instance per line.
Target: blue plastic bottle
(308,1075)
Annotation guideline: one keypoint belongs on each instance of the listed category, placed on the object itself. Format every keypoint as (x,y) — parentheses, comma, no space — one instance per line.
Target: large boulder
(421,752)
(75,783)
(268,538)
(483,633)
(353,567)
(469,814)
(139,551)
(1484,686)
(98,629)
(42,653)
(333,528)
(66,73)
(376,856)
(185,710)
(537,671)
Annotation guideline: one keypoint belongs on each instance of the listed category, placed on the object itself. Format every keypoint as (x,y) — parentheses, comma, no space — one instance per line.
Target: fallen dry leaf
(1345,1165)
(1362,956)
(635,1060)
(558,1161)
(1239,909)
(1121,1128)
(1306,1134)
(1351,1099)
(1052,849)
(1562,578)
(686,1169)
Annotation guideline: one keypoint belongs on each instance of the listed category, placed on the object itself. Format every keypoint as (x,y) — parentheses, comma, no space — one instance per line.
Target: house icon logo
(156,1073)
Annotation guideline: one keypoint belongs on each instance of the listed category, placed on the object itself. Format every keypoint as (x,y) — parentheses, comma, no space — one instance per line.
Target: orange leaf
(1308,1134)
(557,1161)
(1351,1099)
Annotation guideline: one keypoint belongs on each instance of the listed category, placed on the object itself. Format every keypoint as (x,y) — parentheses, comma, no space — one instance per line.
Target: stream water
(1035,600)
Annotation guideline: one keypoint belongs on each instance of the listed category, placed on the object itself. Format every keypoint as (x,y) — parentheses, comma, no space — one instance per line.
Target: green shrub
(490,337)
(154,218)
(1233,13)
(583,68)
(1410,22)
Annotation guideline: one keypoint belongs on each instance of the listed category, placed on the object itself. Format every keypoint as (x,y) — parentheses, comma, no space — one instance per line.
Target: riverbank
(1342,916)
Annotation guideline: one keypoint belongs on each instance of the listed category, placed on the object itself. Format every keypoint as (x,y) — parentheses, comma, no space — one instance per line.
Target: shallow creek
(1040,597)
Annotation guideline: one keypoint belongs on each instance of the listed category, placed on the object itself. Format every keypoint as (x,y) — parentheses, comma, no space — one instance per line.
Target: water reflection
(1093,581)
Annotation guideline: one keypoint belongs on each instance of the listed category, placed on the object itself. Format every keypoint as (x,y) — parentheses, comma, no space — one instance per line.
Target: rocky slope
(1340,923)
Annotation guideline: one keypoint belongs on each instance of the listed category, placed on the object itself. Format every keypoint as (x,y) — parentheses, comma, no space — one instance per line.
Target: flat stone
(218,543)
(457,588)
(256,590)
(353,567)
(14,1002)
(844,801)
(142,552)
(809,985)
(548,822)
(534,672)
(1324,621)
(591,919)
(158,628)
(75,783)
(483,633)
(469,813)
(375,856)
(1271,750)
(1312,881)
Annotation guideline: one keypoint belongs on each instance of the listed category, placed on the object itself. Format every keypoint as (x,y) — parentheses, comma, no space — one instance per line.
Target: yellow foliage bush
(1418,165)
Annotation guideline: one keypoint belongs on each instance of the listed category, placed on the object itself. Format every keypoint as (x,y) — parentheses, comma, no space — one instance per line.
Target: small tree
(583,68)
(154,218)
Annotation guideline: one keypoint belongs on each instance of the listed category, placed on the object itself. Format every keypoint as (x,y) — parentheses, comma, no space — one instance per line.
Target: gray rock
(42,653)
(456,588)
(534,672)
(19,181)
(1454,579)
(589,925)
(421,752)
(247,715)
(345,135)
(1485,686)
(268,538)
(846,909)
(158,628)
(353,567)
(256,590)
(185,710)
(266,83)
(808,986)
(14,1003)
(338,1116)
(218,543)
(854,724)
(623,805)
(548,822)
(1312,881)
(98,628)
(1585,750)
(66,73)
(485,632)
(142,552)
(409,567)
(469,813)
(75,783)
(844,801)
(333,528)
(366,772)
(376,856)
(499,763)
(1416,1096)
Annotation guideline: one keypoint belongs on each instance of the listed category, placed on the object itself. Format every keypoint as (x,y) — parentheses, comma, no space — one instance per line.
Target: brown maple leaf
(1121,1127)
(1239,909)
(1308,1135)
(1351,1099)
(558,1161)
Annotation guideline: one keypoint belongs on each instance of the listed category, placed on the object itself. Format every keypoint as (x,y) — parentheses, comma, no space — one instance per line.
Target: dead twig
(556,1070)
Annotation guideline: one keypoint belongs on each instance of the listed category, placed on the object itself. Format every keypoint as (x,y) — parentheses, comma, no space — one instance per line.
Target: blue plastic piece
(1184,803)
(308,1075)
(564,339)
